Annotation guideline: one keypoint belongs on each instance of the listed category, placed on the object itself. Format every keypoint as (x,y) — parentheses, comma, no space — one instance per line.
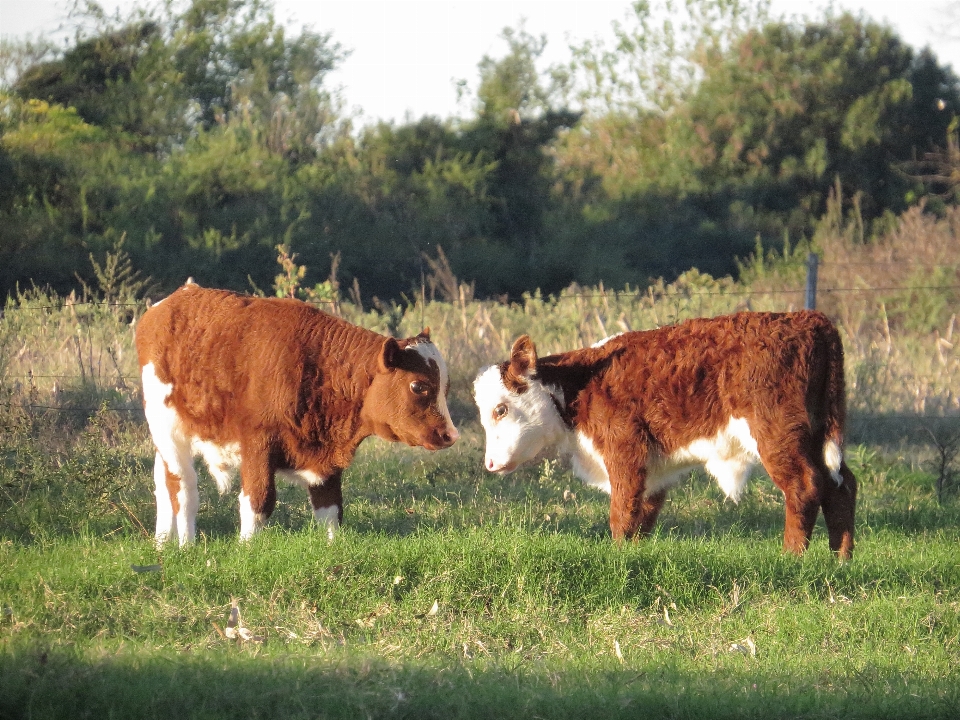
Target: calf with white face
(637,412)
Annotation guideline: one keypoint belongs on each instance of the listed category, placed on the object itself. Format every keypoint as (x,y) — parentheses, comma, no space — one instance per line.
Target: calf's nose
(448,436)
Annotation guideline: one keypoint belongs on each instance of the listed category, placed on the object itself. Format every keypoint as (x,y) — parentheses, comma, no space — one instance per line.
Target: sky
(407,55)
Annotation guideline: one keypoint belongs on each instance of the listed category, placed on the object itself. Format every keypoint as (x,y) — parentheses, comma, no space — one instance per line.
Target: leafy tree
(519,117)
(388,197)
(162,74)
(98,77)
(655,63)
(792,108)
(174,129)
(743,130)
(480,190)
(53,163)
(234,57)
(203,135)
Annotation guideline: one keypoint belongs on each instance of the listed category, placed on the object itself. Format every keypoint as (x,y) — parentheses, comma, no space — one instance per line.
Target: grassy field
(452,593)
(455,593)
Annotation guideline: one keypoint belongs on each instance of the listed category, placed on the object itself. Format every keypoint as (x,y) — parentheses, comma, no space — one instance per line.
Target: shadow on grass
(40,683)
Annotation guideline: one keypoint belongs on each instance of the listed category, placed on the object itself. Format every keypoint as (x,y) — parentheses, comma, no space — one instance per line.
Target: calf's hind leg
(167,505)
(174,476)
(177,498)
(838,503)
(800,480)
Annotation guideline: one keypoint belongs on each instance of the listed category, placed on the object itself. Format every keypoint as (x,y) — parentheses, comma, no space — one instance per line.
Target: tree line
(200,136)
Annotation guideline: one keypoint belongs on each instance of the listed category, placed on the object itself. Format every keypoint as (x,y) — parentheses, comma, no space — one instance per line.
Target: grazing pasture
(455,593)
(452,592)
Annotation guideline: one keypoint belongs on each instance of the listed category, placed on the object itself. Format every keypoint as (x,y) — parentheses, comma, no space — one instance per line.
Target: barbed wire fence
(85,310)
(95,391)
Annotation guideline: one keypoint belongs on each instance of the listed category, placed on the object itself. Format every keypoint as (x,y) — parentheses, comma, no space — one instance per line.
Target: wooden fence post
(810,301)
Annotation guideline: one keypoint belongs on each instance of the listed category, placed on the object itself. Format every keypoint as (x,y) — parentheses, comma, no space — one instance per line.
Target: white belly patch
(222,460)
(728,456)
(304,478)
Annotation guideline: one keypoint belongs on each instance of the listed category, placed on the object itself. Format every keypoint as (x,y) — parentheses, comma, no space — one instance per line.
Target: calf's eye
(419,388)
(499,411)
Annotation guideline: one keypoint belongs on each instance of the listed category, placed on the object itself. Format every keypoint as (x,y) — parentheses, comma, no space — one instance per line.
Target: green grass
(454,593)
(524,620)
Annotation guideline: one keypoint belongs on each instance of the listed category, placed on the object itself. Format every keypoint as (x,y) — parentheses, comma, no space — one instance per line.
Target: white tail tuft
(833,457)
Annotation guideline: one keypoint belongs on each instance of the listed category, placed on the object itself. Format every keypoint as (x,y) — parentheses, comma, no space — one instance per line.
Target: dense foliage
(201,135)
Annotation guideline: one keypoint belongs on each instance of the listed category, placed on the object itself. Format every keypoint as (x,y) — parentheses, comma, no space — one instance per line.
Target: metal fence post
(810,301)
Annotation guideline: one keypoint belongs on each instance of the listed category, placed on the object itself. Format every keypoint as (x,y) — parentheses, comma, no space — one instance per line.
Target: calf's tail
(835,405)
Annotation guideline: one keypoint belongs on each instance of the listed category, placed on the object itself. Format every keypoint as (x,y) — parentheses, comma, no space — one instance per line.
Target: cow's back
(688,380)
(234,359)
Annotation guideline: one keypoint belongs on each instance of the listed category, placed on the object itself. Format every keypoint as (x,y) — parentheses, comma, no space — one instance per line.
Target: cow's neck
(338,401)
(571,372)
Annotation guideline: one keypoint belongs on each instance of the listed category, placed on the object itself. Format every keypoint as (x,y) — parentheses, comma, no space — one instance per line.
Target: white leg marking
(189,499)
(328,517)
(250,521)
(175,451)
(165,520)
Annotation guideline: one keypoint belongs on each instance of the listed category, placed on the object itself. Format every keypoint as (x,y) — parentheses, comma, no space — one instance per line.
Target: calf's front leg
(838,503)
(258,495)
(632,511)
(327,502)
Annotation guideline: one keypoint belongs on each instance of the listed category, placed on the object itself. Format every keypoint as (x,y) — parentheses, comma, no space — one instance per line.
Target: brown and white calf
(641,409)
(271,388)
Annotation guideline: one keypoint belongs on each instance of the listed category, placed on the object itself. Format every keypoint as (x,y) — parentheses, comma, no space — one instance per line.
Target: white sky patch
(407,55)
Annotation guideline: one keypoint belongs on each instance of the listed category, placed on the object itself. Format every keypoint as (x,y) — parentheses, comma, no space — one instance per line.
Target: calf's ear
(424,334)
(389,355)
(523,357)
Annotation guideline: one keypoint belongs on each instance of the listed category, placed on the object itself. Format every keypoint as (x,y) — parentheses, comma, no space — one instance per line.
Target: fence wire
(119,381)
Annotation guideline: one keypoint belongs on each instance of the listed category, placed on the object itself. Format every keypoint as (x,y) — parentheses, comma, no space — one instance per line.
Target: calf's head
(519,413)
(407,400)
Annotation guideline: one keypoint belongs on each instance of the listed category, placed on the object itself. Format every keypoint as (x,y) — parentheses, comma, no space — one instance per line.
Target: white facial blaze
(428,351)
(531,425)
